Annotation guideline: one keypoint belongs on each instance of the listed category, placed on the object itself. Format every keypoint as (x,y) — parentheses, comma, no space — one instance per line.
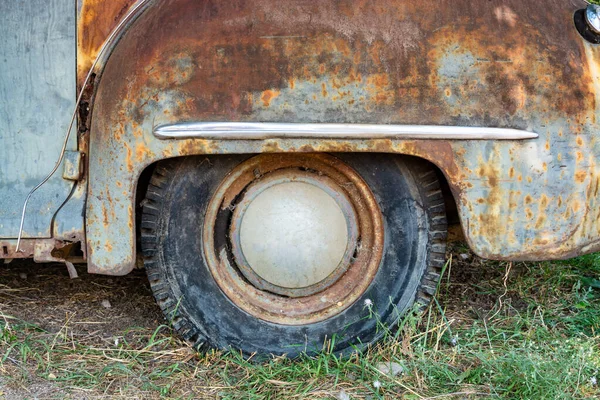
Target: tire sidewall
(223,325)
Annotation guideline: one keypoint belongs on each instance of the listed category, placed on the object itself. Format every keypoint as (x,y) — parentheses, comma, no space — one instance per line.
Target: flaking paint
(95,20)
(504,64)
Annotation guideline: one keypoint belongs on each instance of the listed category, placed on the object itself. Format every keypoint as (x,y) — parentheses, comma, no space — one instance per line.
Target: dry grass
(495,330)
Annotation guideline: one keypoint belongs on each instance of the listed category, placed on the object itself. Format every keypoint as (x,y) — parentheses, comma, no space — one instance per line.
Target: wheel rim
(293,239)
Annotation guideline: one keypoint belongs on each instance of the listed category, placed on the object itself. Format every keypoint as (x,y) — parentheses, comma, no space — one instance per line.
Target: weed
(494,330)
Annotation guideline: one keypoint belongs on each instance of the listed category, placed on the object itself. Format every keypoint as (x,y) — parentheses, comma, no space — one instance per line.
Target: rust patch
(267,96)
(128,160)
(104,215)
(8,249)
(371,62)
(48,250)
(142,153)
(96,19)
(324,89)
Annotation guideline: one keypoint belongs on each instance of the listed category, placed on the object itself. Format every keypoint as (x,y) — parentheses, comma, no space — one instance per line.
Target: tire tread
(434,206)
(151,211)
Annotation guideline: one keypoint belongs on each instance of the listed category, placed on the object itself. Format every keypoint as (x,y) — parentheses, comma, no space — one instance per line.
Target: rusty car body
(528,67)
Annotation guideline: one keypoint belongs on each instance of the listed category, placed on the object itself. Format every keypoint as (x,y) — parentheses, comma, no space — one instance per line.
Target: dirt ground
(99,312)
(100,308)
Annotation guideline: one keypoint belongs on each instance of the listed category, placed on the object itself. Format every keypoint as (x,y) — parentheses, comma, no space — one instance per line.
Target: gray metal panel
(37,96)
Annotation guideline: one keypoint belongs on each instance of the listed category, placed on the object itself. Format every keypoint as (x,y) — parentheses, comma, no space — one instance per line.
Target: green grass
(496,330)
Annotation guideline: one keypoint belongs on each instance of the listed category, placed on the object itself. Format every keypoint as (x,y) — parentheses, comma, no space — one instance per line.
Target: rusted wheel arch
(450,199)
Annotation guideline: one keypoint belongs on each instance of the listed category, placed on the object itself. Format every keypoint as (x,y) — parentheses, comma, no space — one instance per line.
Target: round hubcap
(293,233)
(293,239)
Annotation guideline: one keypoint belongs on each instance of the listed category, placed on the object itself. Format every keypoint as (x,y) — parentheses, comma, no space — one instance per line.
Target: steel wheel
(304,227)
(276,253)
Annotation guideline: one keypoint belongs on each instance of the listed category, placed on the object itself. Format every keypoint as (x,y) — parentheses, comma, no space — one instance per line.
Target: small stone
(23,275)
(464,256)
(51,376)
(342,395)
(454,341)
(593,381)
(391,368)
(106,304)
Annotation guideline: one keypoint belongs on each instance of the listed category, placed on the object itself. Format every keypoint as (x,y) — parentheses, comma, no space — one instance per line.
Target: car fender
(505,64)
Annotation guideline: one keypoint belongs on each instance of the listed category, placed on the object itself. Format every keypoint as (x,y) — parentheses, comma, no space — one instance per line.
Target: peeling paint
(506,64)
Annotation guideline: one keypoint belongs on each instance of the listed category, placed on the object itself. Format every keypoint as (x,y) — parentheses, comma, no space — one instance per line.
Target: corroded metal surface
(507,64)
(37,92)
(50,250)
(296,306)
(9,249)
(41,250)
(73,166)
(96,19)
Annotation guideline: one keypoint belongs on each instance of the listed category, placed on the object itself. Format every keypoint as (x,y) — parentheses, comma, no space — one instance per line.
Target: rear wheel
(278,253)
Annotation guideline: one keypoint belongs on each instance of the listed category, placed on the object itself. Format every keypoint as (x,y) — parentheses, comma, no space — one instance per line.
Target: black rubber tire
(412,205)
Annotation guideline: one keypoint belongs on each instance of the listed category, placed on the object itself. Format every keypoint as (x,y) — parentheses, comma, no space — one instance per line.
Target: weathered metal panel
(73,165)
(96,19)
(507,64)
(37,96)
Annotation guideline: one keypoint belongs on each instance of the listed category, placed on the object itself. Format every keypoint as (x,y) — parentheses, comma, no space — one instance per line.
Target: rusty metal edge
(115,35)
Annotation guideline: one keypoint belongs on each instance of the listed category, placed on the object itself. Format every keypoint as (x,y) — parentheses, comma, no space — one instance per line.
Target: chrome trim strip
(275,130)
